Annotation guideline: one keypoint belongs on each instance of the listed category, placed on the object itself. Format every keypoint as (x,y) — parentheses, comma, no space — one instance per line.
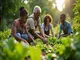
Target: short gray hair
(37,8)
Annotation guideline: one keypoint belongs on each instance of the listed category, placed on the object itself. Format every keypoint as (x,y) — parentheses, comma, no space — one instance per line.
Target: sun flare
(60,4)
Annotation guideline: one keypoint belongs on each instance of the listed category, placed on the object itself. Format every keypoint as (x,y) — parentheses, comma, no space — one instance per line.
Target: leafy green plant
(13,50)
(76,22)
(5,34)
(65,48)
(35,53)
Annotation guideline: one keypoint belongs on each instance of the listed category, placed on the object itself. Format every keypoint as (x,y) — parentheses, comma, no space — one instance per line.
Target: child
(65,26)
(47,26)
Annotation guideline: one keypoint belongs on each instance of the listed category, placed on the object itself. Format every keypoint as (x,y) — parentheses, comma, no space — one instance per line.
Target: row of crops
(65,48)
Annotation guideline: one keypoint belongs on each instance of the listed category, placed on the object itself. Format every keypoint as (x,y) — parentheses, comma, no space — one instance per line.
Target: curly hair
(48,16)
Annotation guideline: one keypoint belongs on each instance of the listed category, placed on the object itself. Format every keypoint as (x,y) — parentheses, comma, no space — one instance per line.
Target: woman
(47,26)
(19,30)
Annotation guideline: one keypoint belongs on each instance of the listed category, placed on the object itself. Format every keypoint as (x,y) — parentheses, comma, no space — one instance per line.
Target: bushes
(5,34)
(76,22)
(12,50)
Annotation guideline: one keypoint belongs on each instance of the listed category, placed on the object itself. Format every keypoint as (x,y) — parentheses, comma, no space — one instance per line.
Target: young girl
(47,26)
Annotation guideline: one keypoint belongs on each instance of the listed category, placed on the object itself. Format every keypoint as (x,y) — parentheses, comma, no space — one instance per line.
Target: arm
(69,29)
(42,27)
(64,35)
(28,34)
(13,32)
(52,30)
(60,32)
(41,31)
(37,35)
(59,35)
(44,38)
(32,27)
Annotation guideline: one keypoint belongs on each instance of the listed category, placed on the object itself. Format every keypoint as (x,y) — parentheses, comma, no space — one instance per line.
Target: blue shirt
(66,28)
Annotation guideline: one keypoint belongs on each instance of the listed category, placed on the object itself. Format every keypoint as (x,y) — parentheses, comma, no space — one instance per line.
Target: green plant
(5,34)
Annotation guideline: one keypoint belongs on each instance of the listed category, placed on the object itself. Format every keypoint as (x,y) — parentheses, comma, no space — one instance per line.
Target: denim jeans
(24,36)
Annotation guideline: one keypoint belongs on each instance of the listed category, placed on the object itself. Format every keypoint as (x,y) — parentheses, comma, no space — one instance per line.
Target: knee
(18,34)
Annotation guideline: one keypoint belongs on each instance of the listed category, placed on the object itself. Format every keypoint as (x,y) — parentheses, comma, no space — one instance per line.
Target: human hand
(58,36)
(25,41)
(45,40)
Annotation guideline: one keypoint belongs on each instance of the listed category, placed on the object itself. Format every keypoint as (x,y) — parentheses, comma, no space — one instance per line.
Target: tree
(77,16)
(9,10)
(69,5)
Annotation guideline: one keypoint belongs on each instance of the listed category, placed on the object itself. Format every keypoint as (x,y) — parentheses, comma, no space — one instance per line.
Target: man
(33,22)
(65,26)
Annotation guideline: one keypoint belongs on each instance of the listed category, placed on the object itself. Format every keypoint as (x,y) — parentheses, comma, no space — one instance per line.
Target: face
(47,21)
(36,15)
(62,19)
(24,19)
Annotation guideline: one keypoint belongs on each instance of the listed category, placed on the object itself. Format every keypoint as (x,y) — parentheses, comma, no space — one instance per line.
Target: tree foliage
(77,16)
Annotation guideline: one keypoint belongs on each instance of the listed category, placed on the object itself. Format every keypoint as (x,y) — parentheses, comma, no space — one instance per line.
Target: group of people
(25,27)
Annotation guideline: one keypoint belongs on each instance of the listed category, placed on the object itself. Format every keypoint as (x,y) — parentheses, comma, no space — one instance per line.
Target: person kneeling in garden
(65,26)
(47,27)
(19,30)
(33,22)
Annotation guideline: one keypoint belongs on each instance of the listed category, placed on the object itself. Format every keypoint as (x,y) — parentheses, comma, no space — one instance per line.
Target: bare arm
(63,35)
(28,33)
(52,32)
(60,31)
(13,32)
(58,36)
(41,31)
(36,34)
(66,34)
(39,36)
(30,21)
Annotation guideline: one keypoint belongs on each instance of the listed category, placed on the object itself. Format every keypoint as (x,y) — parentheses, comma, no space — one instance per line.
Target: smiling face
(47,21)
(37,15)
